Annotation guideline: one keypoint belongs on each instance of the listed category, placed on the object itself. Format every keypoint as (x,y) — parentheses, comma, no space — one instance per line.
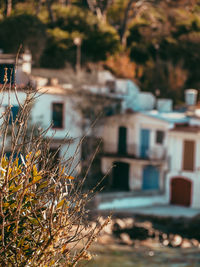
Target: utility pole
(8,7)
(78,42)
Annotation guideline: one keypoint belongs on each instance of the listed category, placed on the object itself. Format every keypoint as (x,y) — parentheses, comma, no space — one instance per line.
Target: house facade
(144,150)
(20,75)
(57,104)
(136,145)
(136,150)
(54,108)
(155,151)
(182,180)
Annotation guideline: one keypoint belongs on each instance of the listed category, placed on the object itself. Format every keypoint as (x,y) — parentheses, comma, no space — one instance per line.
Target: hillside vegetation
(154,42)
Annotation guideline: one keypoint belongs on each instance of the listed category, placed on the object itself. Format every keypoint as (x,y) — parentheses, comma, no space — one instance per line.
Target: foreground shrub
(43,219)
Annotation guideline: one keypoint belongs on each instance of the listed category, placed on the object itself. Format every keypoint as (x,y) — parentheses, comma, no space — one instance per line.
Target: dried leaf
(69,177)
(37,178)
(60,204)
(43,185)
(15,189)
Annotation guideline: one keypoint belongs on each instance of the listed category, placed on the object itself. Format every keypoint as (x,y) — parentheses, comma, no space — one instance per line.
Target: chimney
(53,82)
(191,97)
(26,61)
(164,105)
(190,101)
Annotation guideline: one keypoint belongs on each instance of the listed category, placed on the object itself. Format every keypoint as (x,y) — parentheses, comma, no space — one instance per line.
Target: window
(57,115)
(122,140)
(188,155)
(7,69)
(15,156)
(108,111)
(13,115)
(111,86)
(160,137)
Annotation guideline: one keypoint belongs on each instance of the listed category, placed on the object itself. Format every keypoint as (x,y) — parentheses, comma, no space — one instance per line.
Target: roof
(189,128)
(167,117)
(171,117)
(67,75)
(60,90)
(54,90)
(10,59)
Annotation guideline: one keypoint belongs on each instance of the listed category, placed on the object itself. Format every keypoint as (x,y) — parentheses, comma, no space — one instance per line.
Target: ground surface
(143,254)
(147,204)
(164,210)
(164,236)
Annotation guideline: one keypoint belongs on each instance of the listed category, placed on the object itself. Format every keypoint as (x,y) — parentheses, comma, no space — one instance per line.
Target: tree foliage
(165,40)
(121,66)
(98,40)
(147,30)
(23,29)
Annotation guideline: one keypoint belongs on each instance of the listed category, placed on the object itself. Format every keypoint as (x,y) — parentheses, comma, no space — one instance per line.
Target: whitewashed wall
(42,114)
(134,123)
(176,142)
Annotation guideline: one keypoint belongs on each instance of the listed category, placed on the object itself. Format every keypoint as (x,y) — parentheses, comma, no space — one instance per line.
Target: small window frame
(13,115)
(160,136)
(10,74)
(62,118)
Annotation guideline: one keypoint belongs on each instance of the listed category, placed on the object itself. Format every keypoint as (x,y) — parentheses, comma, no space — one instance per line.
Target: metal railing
(135,151)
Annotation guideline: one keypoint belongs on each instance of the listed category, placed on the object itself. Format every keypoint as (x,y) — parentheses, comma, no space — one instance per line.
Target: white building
(21,74)
(55,108)
(57,104)
(137,145)
(155,151)
(148,147)
(183,184)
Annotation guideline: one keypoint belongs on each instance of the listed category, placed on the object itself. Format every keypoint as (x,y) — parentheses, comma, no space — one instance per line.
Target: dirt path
(145,240)
(149,254)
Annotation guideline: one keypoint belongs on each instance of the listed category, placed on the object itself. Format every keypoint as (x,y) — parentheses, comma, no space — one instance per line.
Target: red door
(181,192)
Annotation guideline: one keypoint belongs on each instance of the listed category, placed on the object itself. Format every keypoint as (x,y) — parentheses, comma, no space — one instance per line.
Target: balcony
(135,151)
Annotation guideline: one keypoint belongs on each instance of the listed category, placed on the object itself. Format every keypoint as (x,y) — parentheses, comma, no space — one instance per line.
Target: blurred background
(156,43)
(132,61)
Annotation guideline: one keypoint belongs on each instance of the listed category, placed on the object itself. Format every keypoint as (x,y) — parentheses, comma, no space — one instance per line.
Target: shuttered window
(160,137)
(7,70)
(57,115)
(13,114)
(188,155)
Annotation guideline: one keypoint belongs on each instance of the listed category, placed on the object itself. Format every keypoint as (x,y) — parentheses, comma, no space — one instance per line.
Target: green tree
(98,40)
(162,41)
(23,29)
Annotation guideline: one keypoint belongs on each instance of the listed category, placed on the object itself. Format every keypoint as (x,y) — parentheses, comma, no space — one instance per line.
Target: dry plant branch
(43,214)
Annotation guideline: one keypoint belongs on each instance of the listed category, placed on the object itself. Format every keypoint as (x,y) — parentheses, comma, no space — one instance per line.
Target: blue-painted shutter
(10,73)
(150,178)
(144,142)
(14,110)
